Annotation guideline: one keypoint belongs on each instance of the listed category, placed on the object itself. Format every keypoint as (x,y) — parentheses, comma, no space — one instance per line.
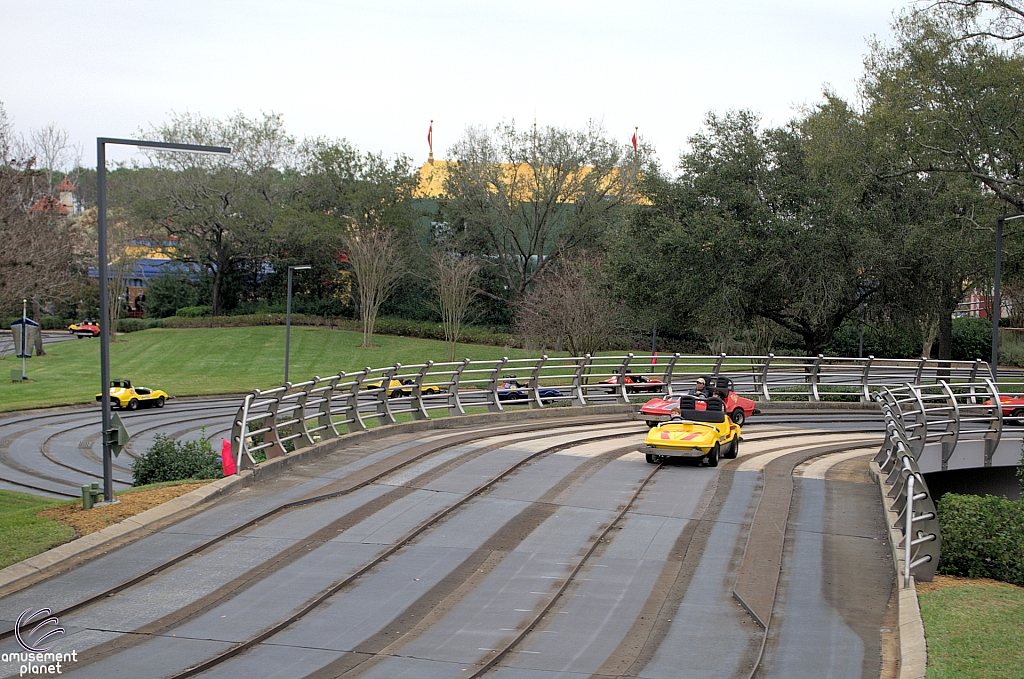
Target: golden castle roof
(432,177)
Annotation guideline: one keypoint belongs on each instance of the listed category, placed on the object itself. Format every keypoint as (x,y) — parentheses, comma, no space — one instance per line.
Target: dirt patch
(944,581)
(98,518)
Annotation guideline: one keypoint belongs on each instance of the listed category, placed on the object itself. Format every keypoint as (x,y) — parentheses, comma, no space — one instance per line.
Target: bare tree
(454,280)
(53,150)
(37,243)
(567,309)
(998,19)
(374,256)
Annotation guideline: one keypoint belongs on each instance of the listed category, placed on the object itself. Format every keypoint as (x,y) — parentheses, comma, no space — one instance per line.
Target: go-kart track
(539,548)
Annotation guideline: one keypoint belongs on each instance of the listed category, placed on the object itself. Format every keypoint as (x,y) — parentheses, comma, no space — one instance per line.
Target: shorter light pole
(997,302)
(288,317)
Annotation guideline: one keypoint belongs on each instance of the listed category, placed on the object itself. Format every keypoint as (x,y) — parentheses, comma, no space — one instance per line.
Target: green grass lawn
(188,362)
(974,632)
(22,533)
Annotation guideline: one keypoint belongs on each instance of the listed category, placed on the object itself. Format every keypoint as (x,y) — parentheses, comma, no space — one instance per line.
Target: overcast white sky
(377,71)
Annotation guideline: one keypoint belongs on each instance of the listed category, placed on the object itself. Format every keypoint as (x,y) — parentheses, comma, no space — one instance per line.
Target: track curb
(69,554)
(913,649)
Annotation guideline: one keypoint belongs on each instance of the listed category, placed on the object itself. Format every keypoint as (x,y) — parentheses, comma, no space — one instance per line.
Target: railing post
(384,395)
(669,373)
(420,412)
(908,531)
(534,388)
(324,418)
(952,434)
(921,424)
(239,439)
(995,432)
(353,401)
(815,376)
(579,397)
(978,363)
(920,370)
(718,365)
(764,377)
(623,397)
(865,392)
(454,402)
(271,436)
(495,405)
(305,439)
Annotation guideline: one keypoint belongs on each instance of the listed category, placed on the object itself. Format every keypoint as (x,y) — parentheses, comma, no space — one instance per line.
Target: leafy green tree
(220,209)
(944,105)
(522,199)
(773,224)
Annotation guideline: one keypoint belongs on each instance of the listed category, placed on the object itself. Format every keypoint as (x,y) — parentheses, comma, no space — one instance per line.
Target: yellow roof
(432,178)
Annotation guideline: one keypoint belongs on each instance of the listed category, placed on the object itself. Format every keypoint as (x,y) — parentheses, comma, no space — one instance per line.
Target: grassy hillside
(185,362)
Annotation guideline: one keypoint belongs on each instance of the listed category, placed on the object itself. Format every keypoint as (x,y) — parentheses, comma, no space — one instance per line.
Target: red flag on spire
(635,130)
(430,136)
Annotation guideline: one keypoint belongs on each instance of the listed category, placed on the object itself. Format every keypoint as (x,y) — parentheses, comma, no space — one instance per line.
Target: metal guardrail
(912,502)
(295,416)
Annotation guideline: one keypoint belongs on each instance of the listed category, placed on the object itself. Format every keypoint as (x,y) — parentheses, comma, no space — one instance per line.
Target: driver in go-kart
(701,391)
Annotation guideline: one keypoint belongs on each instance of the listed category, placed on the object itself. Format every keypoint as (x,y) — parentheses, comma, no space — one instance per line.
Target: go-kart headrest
(714,411)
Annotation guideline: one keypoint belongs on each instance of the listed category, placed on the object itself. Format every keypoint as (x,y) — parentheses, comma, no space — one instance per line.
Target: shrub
(982,537)
(137,324)
(194,311)
(172,460)
(53,323)
(972,338)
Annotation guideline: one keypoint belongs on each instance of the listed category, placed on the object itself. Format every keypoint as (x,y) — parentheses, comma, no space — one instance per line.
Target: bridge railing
(917,519)
(293,416)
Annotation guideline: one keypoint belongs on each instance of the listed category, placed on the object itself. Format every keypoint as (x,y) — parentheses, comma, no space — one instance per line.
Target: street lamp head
(302,267)
(168,146)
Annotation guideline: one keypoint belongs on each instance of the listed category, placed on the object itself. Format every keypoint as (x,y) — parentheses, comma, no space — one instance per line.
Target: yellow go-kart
(124,395)
(706,434)
(398,388)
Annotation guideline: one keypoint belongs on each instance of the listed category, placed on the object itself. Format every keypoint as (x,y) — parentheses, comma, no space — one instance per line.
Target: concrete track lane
(653,599)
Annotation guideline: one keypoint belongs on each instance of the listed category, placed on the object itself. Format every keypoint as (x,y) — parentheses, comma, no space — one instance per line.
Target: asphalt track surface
(534,550)
(54,452)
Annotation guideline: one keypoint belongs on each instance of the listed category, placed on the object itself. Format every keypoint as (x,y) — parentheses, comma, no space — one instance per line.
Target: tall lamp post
(997,302)
(288,317)
(108,434)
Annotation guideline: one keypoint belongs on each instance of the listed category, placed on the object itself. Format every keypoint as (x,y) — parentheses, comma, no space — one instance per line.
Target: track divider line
(568,580)
(383,556)
(448,442)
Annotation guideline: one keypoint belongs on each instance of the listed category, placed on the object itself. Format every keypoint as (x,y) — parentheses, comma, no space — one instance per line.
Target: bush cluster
(137,324)
(172,460)
(194,312)
(982,537)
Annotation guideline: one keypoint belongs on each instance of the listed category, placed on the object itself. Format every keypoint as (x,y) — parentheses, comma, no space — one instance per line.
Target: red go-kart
(1013,408)
(739,407)
(634,383)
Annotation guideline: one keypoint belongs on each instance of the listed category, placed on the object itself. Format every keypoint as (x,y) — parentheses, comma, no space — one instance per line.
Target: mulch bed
(98,518)
(944,581)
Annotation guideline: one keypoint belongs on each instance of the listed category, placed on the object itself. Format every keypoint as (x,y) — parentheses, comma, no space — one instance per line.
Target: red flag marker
(635,130)
(226,459)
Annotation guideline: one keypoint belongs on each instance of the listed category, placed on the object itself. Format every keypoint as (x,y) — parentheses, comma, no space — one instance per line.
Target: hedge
(982,537)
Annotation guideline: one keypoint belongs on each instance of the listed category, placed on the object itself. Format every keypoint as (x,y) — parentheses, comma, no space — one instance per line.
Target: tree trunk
(946,330)
(218,277)
(37,312)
